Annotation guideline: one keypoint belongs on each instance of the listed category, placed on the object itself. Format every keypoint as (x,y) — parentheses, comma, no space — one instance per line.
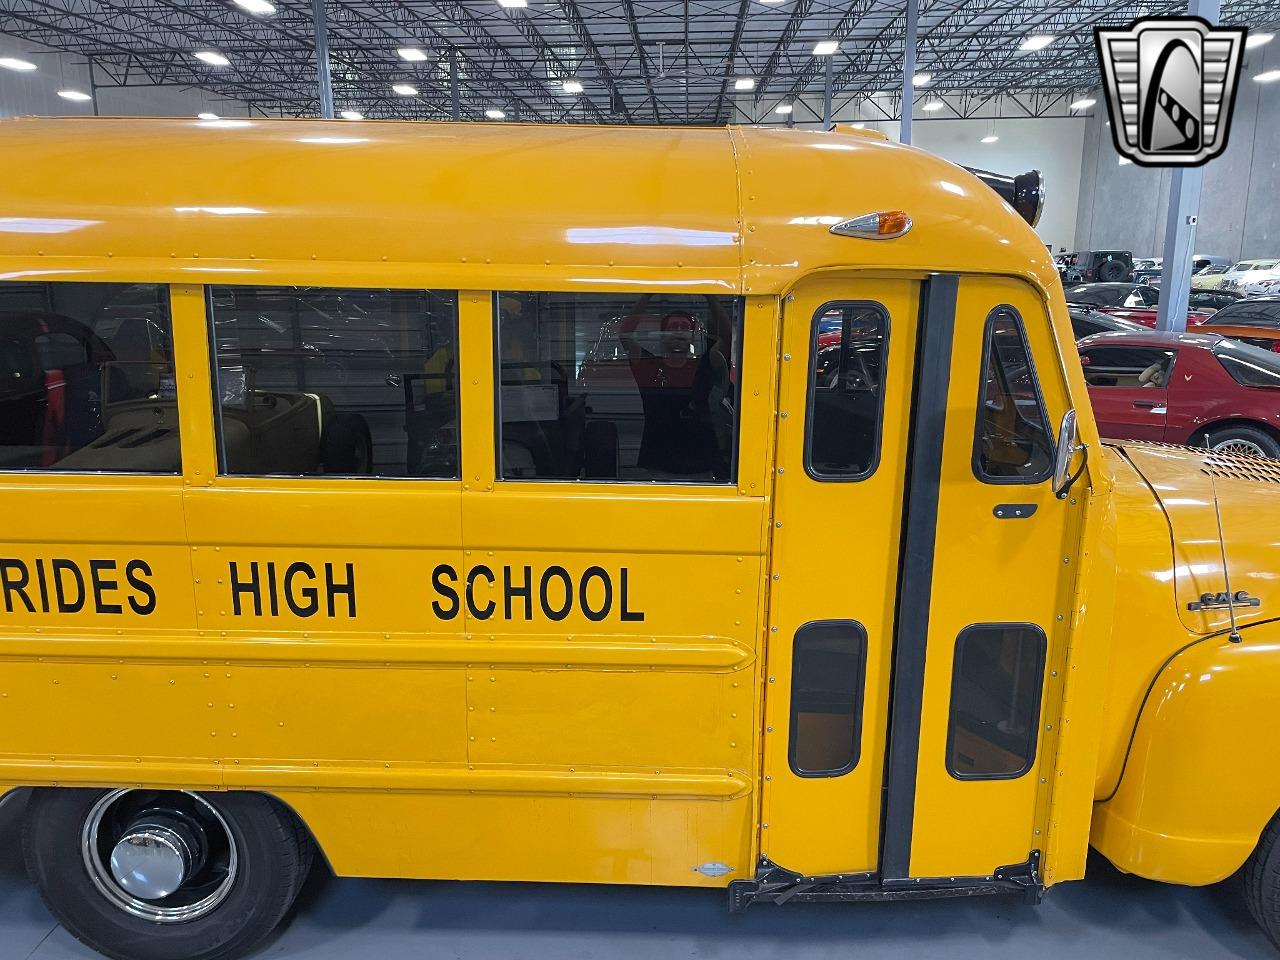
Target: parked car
(1185,388)
(1259,283)
(1088,266)
(1201,305)
(1086,322)
(1098,295)
(1268,338)
(1210,278)
(1148,269)
(1254,312)
(1238,275)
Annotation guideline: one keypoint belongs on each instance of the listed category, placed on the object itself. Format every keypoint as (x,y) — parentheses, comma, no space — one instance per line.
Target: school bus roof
(482,206)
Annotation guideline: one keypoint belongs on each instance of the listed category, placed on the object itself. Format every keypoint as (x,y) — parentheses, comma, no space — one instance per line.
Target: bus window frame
(976,460)
(1034,716)
(859,631)
(811,398)
(728,485)
(215,384)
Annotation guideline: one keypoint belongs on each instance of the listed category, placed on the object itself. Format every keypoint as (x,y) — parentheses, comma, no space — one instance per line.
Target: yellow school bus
(699,507)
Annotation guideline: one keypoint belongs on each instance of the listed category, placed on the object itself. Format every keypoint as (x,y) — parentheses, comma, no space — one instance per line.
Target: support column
(455,96)
(908,71)
(827,92)
(1180,220)
(322,58)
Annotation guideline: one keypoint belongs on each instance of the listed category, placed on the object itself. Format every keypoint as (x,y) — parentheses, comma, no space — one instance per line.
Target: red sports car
(1188,388)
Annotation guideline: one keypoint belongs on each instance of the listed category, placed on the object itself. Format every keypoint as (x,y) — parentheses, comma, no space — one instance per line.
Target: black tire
(1112,271)
(275,854)
(1253,441)
(346,447)
(1262,881)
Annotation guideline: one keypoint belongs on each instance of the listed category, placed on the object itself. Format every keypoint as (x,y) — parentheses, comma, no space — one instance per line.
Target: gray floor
(1107,916)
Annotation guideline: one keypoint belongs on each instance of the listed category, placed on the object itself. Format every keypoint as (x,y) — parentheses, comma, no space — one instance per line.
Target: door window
(846,390)
(1013,442)
(827,669)
(86,378)
(343,382)
(1127,366)
(995,701)
(615,387)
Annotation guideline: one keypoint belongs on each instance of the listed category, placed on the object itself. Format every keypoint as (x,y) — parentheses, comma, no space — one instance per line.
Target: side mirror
(1068,446)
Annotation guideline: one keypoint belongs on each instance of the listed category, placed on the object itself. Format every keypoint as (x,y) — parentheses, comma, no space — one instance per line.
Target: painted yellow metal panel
(992,570)
(835,550)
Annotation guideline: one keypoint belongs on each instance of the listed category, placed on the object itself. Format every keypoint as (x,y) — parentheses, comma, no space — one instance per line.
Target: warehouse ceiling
(638,61)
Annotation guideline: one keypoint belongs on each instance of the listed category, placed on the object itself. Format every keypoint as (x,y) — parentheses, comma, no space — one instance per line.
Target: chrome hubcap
(1237,445)
(151,861)
(164,856)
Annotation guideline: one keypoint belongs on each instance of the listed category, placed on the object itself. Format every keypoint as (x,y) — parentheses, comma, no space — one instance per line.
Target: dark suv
(1102,266)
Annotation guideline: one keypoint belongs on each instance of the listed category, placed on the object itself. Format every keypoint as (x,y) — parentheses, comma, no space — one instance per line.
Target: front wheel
(165,875)
(1262,881)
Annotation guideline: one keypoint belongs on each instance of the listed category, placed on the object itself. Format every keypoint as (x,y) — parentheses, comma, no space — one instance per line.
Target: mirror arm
(1071,480)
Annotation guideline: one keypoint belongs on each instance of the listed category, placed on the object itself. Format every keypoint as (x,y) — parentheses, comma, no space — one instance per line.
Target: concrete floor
(1107,916)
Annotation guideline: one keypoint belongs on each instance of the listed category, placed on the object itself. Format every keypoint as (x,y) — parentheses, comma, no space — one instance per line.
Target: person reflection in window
(685,392)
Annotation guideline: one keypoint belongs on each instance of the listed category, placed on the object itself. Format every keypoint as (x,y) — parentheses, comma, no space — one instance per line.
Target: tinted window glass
(1249,365)
(827,668)
(614,387)
(847,370)
(336,381)
(995,701)
(86,378)
(1013,444)
(1263,313)
(1127,366)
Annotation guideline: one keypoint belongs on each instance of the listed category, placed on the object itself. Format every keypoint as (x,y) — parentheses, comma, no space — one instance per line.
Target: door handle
(1146,404)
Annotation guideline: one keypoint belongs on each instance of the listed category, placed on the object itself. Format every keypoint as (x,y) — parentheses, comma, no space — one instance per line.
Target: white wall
(1054,146)
(35,93)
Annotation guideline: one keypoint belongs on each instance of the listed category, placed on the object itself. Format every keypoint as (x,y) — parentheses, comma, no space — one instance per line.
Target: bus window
(995,701)
(618,387)
(86,378)
(340,382)
(829,659)
(1013,442)
(846,390)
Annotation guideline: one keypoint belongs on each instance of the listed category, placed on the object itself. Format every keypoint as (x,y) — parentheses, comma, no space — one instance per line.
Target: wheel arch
(1197,437)
(1195,794)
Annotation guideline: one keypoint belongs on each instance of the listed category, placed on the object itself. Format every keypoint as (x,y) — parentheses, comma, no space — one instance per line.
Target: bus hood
(1184,481)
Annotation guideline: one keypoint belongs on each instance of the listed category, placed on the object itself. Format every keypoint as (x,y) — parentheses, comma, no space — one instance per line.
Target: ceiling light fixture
(990,138)
(76,95)
(412,54)
(572,86)
(783,108)
(933,106)
(1268,76)
(1084,103)
(825,48)
(212,57)
(13,63)
(513,4)
(744,83)
(493,113)
(351,115)
(404,89)
(1036,42)
(921,79)
(258,7)
(1256,40)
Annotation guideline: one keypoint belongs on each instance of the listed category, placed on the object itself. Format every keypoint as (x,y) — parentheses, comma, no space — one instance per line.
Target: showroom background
(1095,201)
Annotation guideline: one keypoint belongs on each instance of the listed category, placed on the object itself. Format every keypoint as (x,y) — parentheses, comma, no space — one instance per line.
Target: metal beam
(908,70)
(1180,221)
(322,59)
